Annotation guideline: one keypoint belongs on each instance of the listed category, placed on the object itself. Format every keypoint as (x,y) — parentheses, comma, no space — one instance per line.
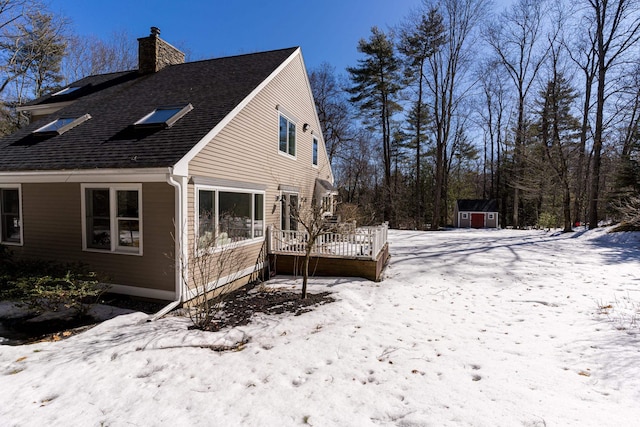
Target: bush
(53,293)
(48,286)
(547,221)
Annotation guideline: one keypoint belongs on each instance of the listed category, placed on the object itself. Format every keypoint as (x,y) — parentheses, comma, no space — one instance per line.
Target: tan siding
(57,235)
(247,148)
(51,220)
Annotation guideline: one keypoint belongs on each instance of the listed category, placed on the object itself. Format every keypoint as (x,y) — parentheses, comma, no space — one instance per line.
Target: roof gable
(110,140)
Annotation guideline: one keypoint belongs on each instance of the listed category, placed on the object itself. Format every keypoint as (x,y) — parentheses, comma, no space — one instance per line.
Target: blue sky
(327,30)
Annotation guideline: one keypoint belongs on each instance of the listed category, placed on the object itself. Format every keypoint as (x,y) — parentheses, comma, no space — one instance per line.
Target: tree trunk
(597,137)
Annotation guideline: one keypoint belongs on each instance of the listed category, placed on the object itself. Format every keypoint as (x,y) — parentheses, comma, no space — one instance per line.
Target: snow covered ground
(478,328)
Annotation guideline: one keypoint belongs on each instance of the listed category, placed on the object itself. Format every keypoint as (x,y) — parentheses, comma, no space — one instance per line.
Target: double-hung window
(10,215)
(287,136)
(226,216)
(112,218)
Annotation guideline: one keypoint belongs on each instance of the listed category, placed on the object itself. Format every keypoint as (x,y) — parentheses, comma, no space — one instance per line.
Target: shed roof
(116,101)
(477,205)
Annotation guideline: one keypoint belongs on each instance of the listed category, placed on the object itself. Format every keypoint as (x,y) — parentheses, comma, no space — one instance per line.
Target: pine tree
(375,91)
(420,39)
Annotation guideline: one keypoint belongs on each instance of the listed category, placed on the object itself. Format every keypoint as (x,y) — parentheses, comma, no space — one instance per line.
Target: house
(476,213)
(127,172)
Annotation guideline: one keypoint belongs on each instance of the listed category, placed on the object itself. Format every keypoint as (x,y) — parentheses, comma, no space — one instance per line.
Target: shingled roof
(116,101)
(477,205)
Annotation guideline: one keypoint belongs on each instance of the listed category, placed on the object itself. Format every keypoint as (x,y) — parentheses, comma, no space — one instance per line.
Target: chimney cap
(155,31)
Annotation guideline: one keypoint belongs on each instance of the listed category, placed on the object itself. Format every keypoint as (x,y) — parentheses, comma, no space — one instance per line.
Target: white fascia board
(86,175)
(44,108)
(182,166)
(317,118)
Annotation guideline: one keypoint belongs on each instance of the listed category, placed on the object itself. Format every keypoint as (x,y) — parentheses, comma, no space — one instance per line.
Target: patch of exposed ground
(240,306)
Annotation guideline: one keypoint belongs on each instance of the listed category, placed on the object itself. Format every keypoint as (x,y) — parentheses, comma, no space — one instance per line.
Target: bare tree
(515,39)
(615,29)
(314,217)
(333,110)
(492,111)
(581,48)
(90,55)
(12,13)
(447,83)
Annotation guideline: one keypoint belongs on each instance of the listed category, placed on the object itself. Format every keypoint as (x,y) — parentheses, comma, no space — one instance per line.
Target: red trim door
(477,220)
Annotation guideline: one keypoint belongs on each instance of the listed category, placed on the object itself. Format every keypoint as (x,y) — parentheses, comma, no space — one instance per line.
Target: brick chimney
(154,53)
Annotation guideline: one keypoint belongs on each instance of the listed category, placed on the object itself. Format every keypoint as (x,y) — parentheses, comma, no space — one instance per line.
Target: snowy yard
(478,328)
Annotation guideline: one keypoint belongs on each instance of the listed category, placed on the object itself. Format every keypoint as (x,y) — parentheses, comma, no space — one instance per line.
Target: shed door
(477,220)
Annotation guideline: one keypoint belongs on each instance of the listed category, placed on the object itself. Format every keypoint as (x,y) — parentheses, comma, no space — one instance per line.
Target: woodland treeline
(536,106)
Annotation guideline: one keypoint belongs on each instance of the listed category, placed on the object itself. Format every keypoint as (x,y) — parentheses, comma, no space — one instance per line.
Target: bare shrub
(210,268)
(630,212)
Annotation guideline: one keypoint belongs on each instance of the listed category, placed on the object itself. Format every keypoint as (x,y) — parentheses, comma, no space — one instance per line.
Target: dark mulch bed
(240,306)
(146,306)
(238,309)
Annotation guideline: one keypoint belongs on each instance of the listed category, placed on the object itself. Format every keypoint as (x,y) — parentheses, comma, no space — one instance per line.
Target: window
(61,125)
(287,143)
(229,216)
(113,220)
(288,209)
(465,215)
(66,91)
(314,152)
(490,216)
(164,116)
(10,215)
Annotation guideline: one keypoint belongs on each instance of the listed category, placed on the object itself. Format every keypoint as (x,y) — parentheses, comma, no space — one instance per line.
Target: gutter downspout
(179,245)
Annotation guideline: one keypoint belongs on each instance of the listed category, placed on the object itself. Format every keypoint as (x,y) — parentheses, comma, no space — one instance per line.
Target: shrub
(48,286)
(547,221)
(73,291)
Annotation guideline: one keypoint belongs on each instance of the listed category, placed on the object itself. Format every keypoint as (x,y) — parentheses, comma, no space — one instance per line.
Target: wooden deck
(362,253)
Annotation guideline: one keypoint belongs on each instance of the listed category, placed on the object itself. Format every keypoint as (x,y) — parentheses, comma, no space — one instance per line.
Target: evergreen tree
(558,133)
(420,38)
(375,90)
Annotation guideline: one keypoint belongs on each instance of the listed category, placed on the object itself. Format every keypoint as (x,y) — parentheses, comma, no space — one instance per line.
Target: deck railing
(361,242)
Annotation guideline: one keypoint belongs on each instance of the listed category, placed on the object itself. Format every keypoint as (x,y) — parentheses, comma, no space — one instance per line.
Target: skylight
(61,125)
(66,91)
(164,116)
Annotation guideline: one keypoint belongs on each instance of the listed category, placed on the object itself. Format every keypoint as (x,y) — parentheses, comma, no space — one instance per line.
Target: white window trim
(113,218)
(283,113)
(315,140)
(490,216)
(19,188)
(182,110)
(76,121)
(216,205)
(464,215)
(66,91)
(281,197)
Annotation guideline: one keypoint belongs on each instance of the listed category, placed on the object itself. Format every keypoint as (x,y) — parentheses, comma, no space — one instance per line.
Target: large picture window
(112,219)
(287,136)
(228,216)
(10,215)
